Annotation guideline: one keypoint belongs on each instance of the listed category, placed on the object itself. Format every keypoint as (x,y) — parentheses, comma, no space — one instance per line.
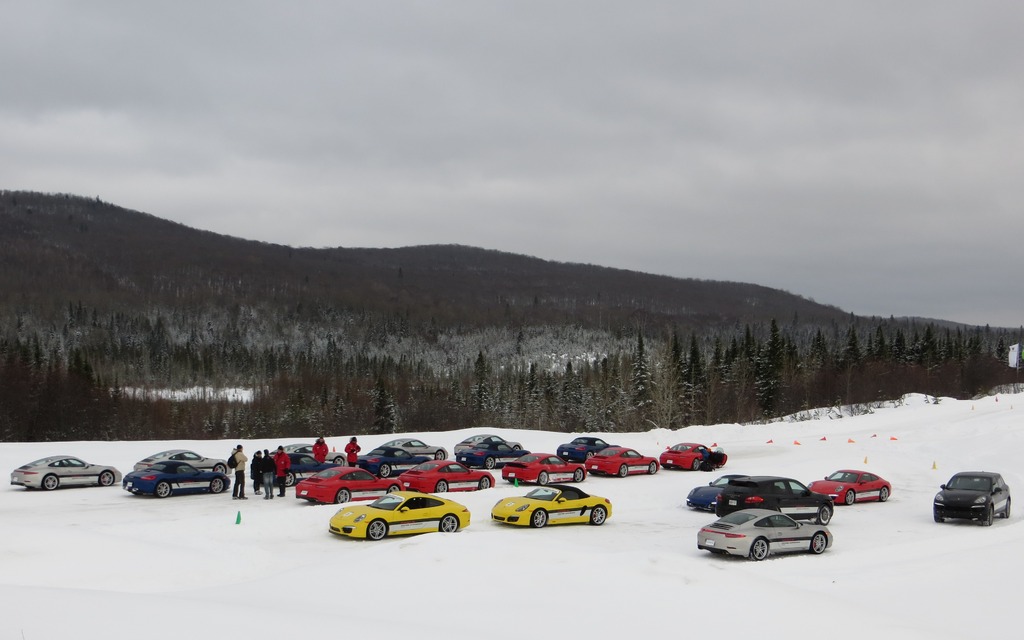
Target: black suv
(972,495)
(772,492)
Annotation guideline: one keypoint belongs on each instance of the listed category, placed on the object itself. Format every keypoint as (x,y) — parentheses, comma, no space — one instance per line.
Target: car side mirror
(942,486)
(998,490)
(561,500)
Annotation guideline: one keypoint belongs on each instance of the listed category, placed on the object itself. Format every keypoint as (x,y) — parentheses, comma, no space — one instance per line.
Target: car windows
(795,488)
(360,475)
(543,494)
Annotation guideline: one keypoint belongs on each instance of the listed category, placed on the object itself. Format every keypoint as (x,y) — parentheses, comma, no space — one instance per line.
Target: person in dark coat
(256,471)
(282,462)
(269,469)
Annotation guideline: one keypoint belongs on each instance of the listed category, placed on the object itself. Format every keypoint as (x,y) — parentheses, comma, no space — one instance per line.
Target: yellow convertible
(400,513)
(552,504)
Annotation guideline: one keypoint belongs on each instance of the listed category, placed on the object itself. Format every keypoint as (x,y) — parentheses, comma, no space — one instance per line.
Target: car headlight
(360,517)
(839,488)
(522,508)
(938,497)
(981,500)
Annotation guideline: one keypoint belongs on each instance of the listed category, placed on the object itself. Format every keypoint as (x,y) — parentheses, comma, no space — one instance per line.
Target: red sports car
(848,486)
(622,462)
(690,455)
(439,476)
(542,468)
(344,484)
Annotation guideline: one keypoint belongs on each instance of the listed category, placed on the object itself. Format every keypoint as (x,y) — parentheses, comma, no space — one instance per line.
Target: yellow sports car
(400,513)
(552,504)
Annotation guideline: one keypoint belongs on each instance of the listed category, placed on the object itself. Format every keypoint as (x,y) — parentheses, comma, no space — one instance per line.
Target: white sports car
(183,455)
(418,448)
(758,533)
(64,471)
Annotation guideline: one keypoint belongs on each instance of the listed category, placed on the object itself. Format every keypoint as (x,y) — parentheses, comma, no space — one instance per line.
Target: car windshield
(738,517)
(328,473)
(378,452)
(970,483)
(609,453)
(724,480)
(843,476)
(543,494)
(529,458)
(387,503)
(426,466)
(681,447)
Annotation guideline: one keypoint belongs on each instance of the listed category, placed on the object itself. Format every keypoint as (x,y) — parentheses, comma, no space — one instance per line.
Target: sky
(865,155)
(114,565)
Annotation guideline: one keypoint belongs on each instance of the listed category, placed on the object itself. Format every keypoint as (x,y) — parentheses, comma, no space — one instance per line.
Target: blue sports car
(388,461)
(304,466)
(489,455)
(705,496)
(582,448)
(171,478)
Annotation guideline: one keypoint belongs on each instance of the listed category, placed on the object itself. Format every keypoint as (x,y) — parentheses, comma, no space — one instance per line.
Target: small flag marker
(823,438)
(934,466)
(850,441)
(770,442)
(865,459)
(796,442)
(893,438)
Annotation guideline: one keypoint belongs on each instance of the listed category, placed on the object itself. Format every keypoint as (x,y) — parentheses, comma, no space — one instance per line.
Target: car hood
(826,485)
(961,496)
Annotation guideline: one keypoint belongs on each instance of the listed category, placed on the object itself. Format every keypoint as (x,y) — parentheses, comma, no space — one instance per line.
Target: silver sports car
(337,457)
(757,533)
(473,441)
(64,471)
(183,455)
(418,448)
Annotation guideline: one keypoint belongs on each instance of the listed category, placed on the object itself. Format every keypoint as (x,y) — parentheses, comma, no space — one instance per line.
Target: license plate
(511,475)
(593,466)
(670,462)
(129,485)
(732,503)
(304,492)
(709,543)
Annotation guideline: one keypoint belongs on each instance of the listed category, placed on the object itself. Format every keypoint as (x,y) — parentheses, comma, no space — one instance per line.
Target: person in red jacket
(352,450)
(282,462)
(320,450)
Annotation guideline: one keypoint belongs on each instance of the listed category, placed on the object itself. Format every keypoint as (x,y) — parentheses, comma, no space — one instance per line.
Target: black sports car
(973,495)
(778,494)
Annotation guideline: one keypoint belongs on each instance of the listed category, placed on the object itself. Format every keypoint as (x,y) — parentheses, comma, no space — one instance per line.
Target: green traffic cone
(238,518)
(515,483)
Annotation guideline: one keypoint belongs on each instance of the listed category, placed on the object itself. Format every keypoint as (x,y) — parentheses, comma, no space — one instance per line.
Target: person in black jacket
(256,471)
(269,469)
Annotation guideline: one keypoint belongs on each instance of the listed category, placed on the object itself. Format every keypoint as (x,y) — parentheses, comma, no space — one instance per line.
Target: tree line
(380,374)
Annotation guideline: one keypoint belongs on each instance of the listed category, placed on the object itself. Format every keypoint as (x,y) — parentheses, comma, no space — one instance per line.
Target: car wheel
(938,518)
(441,487)
(376,530)
(598,515)
(51,482)
(542,478)
(106,478)
(343,495)
(824,514)
(289,479)
(485,483)
(652,468)
(393,488)
(220,468)
(590,454)
(489,462)
(989,514)
(339,460)
(623,471)
(695,465)
(517,447)
(162,490)
(449,524)
(538,518)
(1006,513)
(440,454)
(384,471)
(850,497)
(883,494)
(759,549)
(216,485)
(819,542)
(578,475)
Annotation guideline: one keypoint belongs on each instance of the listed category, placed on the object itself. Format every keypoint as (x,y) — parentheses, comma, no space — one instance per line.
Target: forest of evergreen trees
(379,375)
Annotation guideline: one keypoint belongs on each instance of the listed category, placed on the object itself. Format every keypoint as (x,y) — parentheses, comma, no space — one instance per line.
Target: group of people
(267,470)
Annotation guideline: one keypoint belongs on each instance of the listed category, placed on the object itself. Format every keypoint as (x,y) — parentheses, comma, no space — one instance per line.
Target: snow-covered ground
(101,563)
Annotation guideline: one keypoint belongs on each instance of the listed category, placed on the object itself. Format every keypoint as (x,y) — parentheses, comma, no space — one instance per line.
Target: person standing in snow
(269,469)
(282,462)
(238,491)
(320,450)
(256,471)
(352,450)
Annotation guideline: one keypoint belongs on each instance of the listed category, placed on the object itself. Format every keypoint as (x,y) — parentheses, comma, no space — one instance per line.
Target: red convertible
(690,455)
(622,462)
(542,468)
(848,486)
(344,484)
(439,476)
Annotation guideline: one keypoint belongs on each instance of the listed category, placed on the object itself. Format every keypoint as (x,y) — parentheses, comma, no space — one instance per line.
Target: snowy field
(99,563)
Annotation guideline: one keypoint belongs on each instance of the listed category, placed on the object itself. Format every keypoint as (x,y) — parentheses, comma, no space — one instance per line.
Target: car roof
(981,474)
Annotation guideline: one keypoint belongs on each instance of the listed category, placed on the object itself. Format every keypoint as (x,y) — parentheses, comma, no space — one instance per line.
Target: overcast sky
(867,155)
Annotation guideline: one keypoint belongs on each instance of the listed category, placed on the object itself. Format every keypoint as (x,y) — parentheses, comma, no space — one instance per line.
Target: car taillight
(581,448)
(374,460)
(754,500)
(30,473)
(148,478)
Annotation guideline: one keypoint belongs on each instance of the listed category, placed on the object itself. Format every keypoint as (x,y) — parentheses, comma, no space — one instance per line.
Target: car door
(188,479)
(558,470)
(868,487)
(795,500)
(1000,495)
(418,515)
(782,532)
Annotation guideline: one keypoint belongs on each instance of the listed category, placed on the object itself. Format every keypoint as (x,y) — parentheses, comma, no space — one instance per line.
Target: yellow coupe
(552,504)
(400,513)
